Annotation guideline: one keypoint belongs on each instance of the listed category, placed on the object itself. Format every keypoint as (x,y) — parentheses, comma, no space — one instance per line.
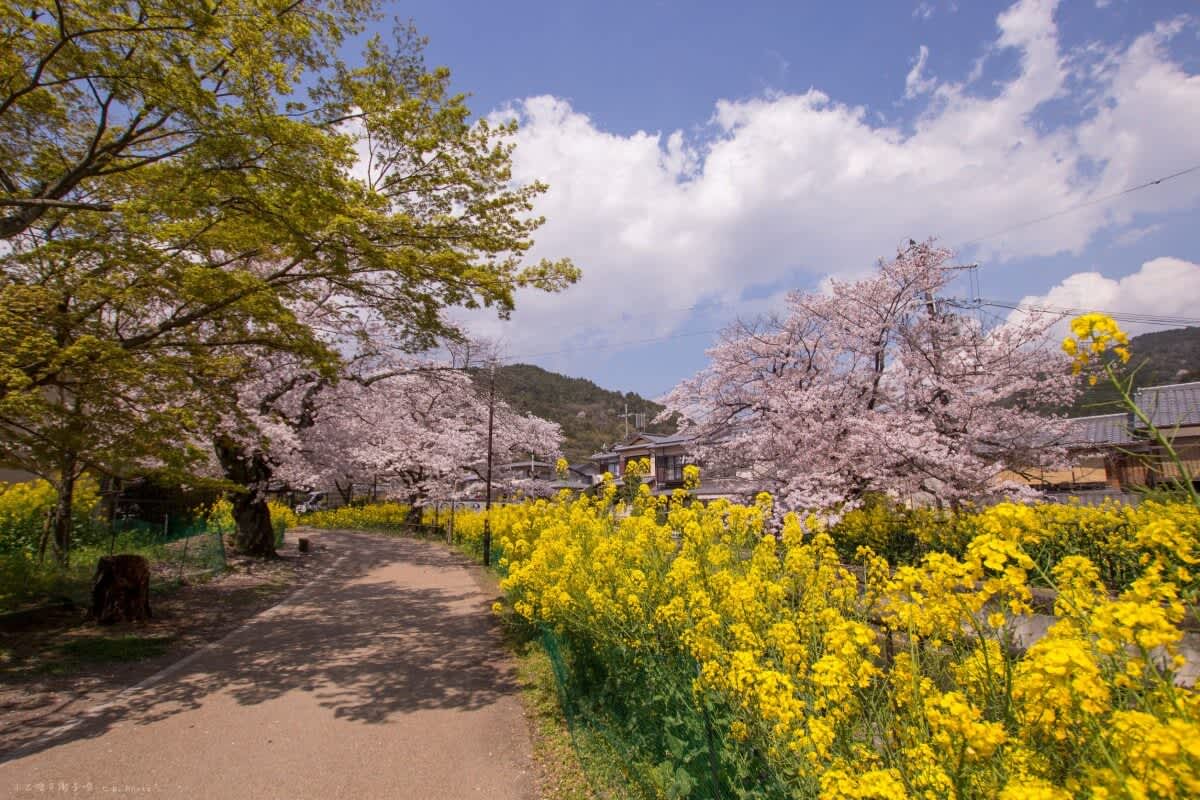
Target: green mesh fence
(189,546)
(648,720)
(178,550)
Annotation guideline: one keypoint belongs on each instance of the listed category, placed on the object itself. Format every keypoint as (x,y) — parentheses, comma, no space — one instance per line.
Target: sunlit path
(384,679)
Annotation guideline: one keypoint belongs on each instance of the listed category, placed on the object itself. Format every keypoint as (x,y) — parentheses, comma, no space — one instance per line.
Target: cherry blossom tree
(879,385)
(422,431)
(371,411)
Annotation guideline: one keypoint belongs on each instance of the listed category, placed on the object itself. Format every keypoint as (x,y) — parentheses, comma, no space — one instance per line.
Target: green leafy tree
(170,206)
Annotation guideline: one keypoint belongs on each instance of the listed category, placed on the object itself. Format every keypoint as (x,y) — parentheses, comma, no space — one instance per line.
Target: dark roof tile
(1171,405)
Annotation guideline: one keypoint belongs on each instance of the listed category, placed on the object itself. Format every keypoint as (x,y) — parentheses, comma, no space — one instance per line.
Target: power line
(1120,316)
(1085,204)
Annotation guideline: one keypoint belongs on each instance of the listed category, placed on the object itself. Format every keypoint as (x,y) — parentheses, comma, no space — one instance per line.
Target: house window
(673,469)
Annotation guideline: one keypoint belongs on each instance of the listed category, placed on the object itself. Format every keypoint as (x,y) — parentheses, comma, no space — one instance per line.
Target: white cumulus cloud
(1163,288)
(802,183)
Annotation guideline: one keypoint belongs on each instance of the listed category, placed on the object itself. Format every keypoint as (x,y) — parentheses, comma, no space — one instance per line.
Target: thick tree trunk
(60,523)
(412,517)
(121,590)
(255,536)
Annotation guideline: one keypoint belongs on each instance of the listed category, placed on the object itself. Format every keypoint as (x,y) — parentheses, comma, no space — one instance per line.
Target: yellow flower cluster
(744,650)
(1093,334)
(1119,540)
(25,507)
(375,516)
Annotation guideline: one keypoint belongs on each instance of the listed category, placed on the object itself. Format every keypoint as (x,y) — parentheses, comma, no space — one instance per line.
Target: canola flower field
(734,656)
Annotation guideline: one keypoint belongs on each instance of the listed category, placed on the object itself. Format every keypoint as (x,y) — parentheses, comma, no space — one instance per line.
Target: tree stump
(302,545)
(121,589)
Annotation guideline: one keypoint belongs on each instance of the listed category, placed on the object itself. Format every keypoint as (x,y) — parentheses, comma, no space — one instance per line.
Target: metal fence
(186,545)
(1095,497)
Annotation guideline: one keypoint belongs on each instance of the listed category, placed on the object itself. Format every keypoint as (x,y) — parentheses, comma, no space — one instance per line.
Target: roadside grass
(25,583)
(576,763)
(74,654)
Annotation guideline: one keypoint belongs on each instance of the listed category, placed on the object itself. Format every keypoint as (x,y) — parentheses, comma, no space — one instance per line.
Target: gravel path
(385,678)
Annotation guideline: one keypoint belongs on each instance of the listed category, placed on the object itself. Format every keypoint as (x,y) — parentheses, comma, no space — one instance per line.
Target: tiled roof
(654,439)
(1166,406)
(634,442)
(1171,405)
(1100,429)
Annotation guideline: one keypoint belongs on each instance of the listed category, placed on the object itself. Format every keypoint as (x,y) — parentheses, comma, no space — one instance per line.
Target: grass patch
(75,654)
(24,582)
(129,647)
(576,763)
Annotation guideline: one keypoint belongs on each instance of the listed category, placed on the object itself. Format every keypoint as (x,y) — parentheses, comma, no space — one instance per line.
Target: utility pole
(487,504)
(626,417)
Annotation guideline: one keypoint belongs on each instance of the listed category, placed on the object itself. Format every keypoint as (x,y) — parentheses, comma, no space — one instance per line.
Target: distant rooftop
(637,441)
(1167,406)
(1172,404)
(1099,429)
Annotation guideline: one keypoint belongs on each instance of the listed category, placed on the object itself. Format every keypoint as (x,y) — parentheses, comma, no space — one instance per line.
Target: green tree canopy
(180,179)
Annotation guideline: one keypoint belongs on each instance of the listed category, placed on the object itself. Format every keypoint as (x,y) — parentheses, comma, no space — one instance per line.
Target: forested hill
(1171,356)
(587,413)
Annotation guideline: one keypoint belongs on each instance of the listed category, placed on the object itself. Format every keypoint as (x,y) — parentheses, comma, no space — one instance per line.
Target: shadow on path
(400,627)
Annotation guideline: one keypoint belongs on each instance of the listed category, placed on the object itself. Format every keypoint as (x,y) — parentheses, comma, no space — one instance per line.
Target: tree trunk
(255,536)
(121,590)
(61,522)
(412,517)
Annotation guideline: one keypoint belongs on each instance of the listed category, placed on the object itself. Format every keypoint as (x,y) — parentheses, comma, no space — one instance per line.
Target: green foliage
(576,762)
(103,649)
(172,208)
(25,579)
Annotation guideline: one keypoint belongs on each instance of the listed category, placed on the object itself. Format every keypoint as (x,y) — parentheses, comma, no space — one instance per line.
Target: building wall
(1154,466)
(8,475)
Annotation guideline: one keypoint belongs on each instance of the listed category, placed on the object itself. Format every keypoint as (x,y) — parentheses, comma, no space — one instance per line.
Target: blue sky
(718,154)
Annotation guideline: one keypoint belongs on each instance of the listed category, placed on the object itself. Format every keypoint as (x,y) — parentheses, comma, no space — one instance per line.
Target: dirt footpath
(385,678)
